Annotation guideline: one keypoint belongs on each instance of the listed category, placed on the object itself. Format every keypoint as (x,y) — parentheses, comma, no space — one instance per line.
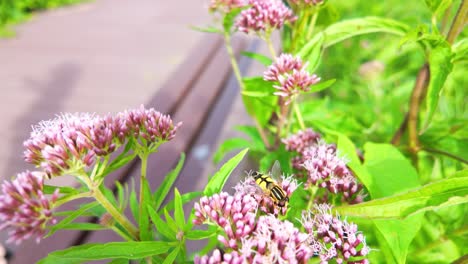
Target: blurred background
(87,56)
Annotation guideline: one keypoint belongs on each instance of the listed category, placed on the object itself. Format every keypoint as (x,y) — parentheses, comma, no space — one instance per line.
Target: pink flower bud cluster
(264,16)
(341,240)
(291,75)
(25,208)
(225,6)
(327,170)
(265,202)
(235,214)
(323,167)
(72,141)
(273,241)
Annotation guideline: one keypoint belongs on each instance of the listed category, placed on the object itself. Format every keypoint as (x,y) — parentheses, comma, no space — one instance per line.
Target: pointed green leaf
(67,220)
(258,57)
(122,250)
(161,226)
(207,29)
(134,206)
(216,183)
(166,185)
(179,210)
(321,86)
(201,234)
(83,226)
(440,66)
(261,108)
(172,256)
(186,197)
(171,223)
(353,27)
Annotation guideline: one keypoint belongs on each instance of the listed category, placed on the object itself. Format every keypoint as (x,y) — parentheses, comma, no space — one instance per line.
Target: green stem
(118,217)
(299,115)
(458,22)
(232,57)
(67,199)
(144,165)
(441,152)
(310,30)
(270,46)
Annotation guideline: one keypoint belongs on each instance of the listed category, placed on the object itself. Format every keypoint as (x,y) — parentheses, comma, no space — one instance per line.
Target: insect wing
(276,171)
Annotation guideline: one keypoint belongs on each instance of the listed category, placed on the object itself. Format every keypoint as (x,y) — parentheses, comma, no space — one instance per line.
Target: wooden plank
(167,100)
(193,112)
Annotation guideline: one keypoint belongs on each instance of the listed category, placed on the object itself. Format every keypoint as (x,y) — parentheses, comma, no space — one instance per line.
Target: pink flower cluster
(272,241)
(225,6)
(25,208)
(341,240)
(235,214)
(291,75)
(264,16)
(323,167)
(72,141)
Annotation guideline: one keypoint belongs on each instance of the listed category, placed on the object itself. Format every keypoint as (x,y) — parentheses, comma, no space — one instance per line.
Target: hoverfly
(269,185)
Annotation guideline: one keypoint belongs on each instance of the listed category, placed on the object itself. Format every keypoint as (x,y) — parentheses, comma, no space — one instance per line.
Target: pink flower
(340,239)
(235,214)
(301,140)
(225,6)
(149,126)
(25,208)
(291,75)
(264,16)
(329,171)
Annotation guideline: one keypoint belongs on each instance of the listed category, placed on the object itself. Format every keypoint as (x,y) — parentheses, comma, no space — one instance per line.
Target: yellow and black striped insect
(268,183)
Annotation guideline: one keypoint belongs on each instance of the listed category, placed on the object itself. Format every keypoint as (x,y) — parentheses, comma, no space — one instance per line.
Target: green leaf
(229,145)
(134,206)
(348,150)
(261,108)
(122,159)
(119,261)
(172,256)
(258,57)
(167,183)
(229,18)
(255,93)
(447,192)
(216,183)
(207,29)
(440,66)
(122,250)
(179,210)
(315,54)
(171,223)
(438,7)
(353,27)
(67,220)
(254,135)
(49,189)
(83,226)
(143,223)
(186,197)
(201,234)
(161,226)
(321,86)
(392,173)
(460,50)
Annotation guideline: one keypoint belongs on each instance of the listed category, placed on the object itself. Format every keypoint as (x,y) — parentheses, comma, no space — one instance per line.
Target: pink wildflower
(341,240)
(264,16)
(25,208)
(301,140)
(291,75)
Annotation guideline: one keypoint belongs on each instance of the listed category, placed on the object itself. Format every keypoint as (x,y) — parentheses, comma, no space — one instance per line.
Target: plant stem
(397,137)
(71,198)
(144,165)
(235,68)
(270,46)
(441,152)
(118,217)
(458,22)
(415,101)
(299,116)
(312,24)
(232,57)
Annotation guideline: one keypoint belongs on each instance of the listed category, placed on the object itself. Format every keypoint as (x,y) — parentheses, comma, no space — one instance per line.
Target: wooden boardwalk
(99,56)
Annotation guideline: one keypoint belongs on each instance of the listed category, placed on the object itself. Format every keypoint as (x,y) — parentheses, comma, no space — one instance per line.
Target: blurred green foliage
(12,11)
